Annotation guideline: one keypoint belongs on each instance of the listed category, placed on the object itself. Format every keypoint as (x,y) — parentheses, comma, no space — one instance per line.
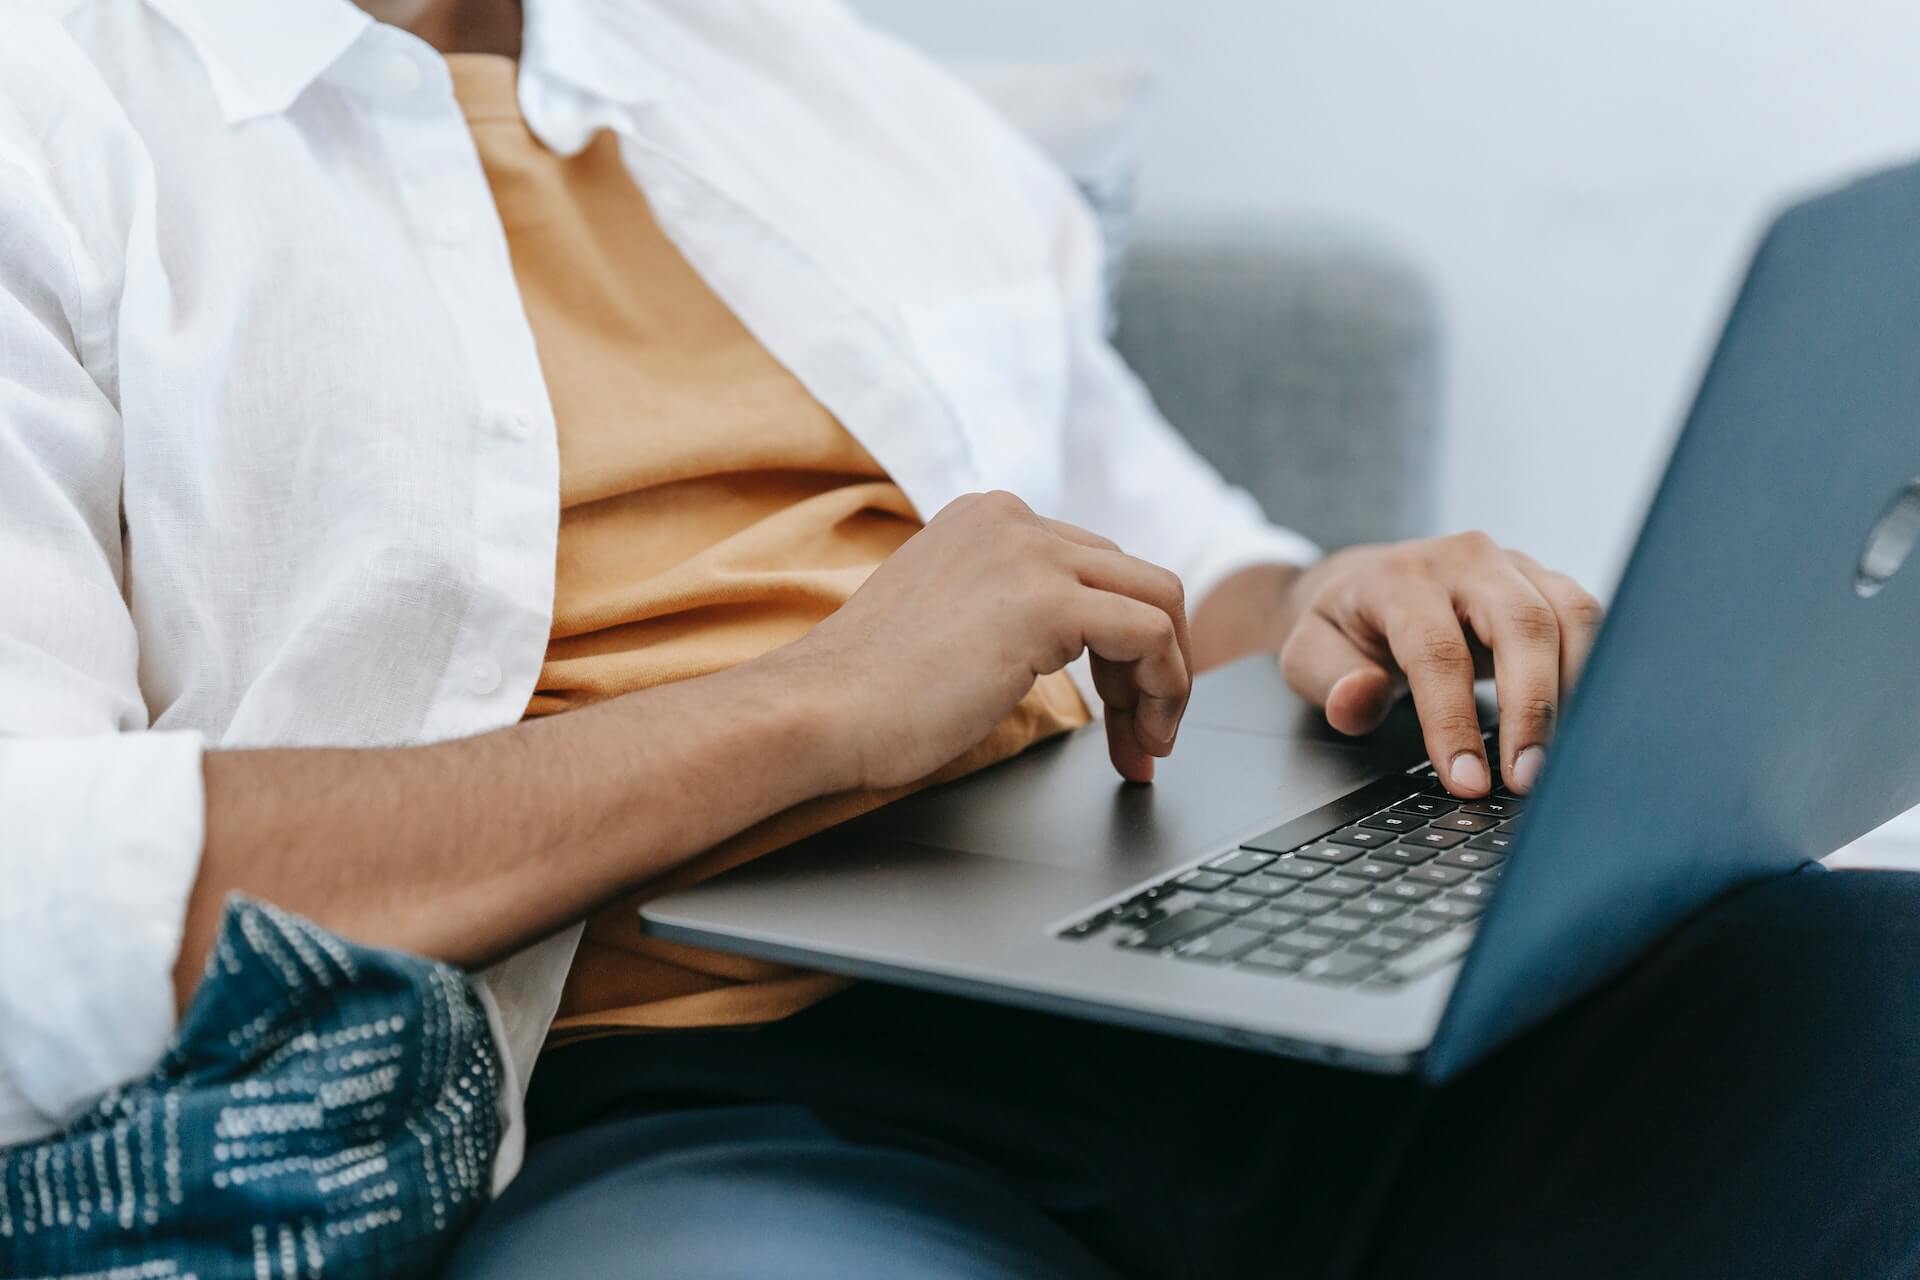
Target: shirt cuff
(103,844)
(521,995)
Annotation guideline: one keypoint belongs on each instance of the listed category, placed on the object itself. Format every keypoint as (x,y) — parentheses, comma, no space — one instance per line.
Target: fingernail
(1526,767)
(1468,772)
(1158,718)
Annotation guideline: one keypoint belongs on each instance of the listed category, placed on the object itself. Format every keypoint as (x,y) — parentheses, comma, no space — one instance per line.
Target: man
(371,391)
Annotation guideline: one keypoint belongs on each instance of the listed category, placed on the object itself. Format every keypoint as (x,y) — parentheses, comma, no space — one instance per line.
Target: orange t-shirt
(711,510)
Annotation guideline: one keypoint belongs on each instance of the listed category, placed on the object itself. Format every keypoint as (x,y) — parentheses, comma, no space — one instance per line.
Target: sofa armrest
(1303,363)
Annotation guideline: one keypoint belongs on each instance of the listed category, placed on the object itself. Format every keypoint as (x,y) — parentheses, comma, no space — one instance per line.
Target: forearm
(469,850)
(1252,611)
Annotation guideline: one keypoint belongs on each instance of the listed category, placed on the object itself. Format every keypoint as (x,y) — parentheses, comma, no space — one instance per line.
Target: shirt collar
(262,54)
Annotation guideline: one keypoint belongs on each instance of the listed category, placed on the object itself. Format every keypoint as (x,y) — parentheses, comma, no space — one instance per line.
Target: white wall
(1581,181)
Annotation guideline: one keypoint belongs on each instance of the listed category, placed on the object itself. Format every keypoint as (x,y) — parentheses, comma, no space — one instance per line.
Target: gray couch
(1303,363)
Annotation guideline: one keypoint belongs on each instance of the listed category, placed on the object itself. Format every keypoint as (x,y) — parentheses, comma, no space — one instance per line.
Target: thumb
(1328,669)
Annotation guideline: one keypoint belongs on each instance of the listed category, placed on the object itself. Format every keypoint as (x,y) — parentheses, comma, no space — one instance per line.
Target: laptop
(1751,704)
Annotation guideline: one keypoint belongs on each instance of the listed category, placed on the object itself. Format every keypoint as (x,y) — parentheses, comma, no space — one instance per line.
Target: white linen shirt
(277,463)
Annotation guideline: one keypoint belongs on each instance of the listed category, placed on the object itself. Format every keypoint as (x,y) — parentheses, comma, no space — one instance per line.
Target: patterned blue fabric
(324,1109)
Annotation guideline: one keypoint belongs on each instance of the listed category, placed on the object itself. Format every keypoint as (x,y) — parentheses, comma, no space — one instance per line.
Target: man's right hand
(467,850)
(952,630)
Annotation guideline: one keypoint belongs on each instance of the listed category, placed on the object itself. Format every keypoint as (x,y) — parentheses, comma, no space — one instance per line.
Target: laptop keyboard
(1375,890)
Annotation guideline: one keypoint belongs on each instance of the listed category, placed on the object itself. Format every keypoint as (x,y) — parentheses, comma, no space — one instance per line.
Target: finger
(1580,616)
(1423,633)
(1322,664)
(1130,760)
(1523,631)
(1123,575)
(1138,662)
(1074,533)
(1127,743)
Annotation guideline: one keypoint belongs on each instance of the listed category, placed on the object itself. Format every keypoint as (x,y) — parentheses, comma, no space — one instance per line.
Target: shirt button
(483,677)
(452,228)
(400,74)
(516,425)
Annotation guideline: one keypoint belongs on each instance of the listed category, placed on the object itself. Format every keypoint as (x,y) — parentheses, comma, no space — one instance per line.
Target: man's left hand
(1432,615)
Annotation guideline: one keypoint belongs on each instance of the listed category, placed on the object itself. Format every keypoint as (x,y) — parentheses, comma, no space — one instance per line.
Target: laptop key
(1310,903)
(1086,928)
(1294,869)
(1204,881)
(1262,885)
(1333,853)
(1428,806)
(1406,855)
(1302,944)
(1269,960)
(1341,887)
(1435,838)
(1344,967)
(1492,842)
(1222,945)
(1362,837)
(1406,891)
(1232,903)
(1177,927)
(1416,928)
(1373,910)
(1372,870)
(1393,820)
(1450,910)
(1434,873)
(1471,823)
(1334,926)
(1471,858)
(1495,806)
(1272,919)
(1475,892)
(1384,945)
(1240,862)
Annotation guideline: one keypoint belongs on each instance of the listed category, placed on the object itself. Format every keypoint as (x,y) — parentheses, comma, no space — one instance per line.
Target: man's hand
(1432,615)
(951,631)
(470,849)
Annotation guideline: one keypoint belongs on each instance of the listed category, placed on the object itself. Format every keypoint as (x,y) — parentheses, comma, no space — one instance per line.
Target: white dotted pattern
(323,1108)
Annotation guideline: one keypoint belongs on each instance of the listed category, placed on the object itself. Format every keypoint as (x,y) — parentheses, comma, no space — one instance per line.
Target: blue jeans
(760,1191)
(1742,1103)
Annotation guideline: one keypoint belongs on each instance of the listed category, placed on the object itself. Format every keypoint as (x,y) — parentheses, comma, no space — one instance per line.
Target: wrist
(794,709)
(1292,598)
(1253,611)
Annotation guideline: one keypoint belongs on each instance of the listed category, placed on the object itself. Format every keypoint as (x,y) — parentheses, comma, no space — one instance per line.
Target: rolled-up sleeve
(103,842)
(101,821)
(1135,479)
(1123,471)
(1127,473)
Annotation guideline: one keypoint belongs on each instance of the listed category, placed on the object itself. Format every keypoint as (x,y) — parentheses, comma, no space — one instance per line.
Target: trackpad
(1062,804)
